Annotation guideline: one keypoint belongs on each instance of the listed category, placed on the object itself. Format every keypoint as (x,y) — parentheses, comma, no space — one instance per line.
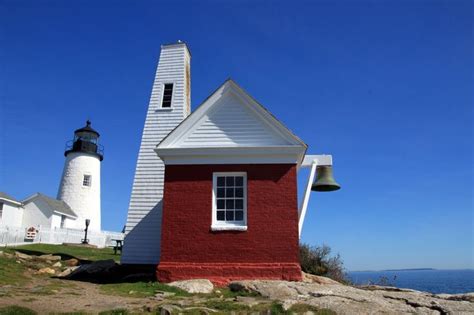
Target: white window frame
(90,180)
(62,223)
(163,95)
(233,225)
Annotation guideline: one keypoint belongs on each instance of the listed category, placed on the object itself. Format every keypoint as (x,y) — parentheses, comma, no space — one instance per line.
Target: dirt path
(49,295)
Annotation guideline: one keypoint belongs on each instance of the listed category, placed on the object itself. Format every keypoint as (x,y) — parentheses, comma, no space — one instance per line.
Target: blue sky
(384,86)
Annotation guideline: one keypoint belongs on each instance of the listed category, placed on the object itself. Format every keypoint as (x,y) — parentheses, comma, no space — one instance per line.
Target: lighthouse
(80,181)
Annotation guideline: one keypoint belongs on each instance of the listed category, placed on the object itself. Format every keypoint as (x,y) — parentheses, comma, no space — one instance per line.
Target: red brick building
(230,208)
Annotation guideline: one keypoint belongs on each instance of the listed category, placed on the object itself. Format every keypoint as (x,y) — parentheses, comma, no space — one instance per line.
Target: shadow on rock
(108,271)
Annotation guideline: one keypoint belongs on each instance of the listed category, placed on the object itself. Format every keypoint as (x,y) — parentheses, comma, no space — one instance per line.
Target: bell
(324,180)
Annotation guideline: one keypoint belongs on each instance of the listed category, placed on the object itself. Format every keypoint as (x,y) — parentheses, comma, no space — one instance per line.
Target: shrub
(317,260)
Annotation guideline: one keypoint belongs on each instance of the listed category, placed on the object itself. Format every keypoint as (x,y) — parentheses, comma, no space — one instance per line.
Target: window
(87,180)
(167,95)
(63,220)
(1,209)
(229,201)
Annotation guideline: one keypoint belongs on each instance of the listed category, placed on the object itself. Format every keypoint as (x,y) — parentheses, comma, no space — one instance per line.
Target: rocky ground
(325,293)
(49,284)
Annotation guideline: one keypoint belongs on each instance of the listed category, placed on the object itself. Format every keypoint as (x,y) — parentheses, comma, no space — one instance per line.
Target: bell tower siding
(143,227)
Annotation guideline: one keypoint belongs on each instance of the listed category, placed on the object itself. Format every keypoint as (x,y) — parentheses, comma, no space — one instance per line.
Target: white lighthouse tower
(80,182)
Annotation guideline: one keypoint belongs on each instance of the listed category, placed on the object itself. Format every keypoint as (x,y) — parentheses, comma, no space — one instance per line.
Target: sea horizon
(436,281)
(409,269)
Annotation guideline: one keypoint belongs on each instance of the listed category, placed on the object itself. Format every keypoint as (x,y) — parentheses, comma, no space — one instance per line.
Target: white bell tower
(80,182)
(170,104)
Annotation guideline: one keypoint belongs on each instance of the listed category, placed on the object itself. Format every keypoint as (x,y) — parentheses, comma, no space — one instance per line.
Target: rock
(66,272)
(345,299)
(169,309)
(97,271)
(49,258)
(161,295)
(307,277)
(72,262)
(23,256)
(7,255)
(47,270)
(57,264)
(194,285)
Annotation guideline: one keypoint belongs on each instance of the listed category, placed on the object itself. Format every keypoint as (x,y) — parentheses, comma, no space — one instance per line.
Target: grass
(11,272)
(303,308)
(140,289)
(119,311)
(16,310)
(66,251)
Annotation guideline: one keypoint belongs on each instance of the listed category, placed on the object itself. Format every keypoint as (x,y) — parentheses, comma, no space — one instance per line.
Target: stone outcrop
(194,285)
(345,299)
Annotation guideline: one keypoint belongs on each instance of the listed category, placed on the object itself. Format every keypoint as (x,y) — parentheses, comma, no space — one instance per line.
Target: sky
(386,87)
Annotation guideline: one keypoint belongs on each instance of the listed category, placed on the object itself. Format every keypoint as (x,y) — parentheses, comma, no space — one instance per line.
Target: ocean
(434,281)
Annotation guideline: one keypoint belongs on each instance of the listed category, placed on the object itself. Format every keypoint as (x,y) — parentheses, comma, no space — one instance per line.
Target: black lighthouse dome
(86,139)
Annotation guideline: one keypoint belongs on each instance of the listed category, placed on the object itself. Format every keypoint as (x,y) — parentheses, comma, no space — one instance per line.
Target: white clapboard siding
(231,124)
(143,227)
(230,118)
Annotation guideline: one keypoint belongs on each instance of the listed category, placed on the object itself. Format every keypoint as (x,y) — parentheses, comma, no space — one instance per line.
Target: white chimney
(170,104)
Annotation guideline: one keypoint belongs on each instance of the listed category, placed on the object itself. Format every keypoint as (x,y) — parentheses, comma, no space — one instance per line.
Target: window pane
(229,181)
(239,192)
(229,215)
(239,215)
(229,192)
(239,204)
(221,192)
(239,181)
(229,204)
(221,181)
(220,215)
(167,95)
(220,204)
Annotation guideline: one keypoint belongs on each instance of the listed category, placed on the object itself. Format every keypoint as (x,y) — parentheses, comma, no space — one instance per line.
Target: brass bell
(324,180)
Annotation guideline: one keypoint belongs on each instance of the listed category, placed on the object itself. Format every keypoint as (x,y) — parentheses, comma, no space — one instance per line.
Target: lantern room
(86,140)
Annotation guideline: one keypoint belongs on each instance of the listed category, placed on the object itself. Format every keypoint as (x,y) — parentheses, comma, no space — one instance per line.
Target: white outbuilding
(11,211)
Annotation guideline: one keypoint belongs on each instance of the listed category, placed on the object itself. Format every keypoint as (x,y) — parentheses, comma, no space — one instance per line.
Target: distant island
(410,269)
(407,269)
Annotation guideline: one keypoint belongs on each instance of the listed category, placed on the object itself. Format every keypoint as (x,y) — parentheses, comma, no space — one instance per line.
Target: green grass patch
(303,308)
(66,251)
(119,311)
(140,289)
(11,272)
(226,306)
(16,310)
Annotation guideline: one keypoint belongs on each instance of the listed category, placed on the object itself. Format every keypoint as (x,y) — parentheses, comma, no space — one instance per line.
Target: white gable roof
(231,122)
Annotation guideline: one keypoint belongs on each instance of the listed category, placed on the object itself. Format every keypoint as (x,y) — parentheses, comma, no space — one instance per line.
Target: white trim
(234,225)
(232,155)
(310,161)
(88,181)
(65,214)
(229,228)
(163,93)
(16,203)
(304,204)
(323,159)
(263,114)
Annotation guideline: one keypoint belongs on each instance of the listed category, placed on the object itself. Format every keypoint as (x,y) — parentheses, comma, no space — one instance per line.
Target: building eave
(290,154)
(16,203)
(65,214)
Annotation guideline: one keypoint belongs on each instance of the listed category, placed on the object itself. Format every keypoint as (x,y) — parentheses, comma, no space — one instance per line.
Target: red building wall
(267,250)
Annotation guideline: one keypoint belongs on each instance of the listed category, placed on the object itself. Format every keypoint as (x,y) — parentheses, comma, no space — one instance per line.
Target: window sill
(228,228)
(164,109)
